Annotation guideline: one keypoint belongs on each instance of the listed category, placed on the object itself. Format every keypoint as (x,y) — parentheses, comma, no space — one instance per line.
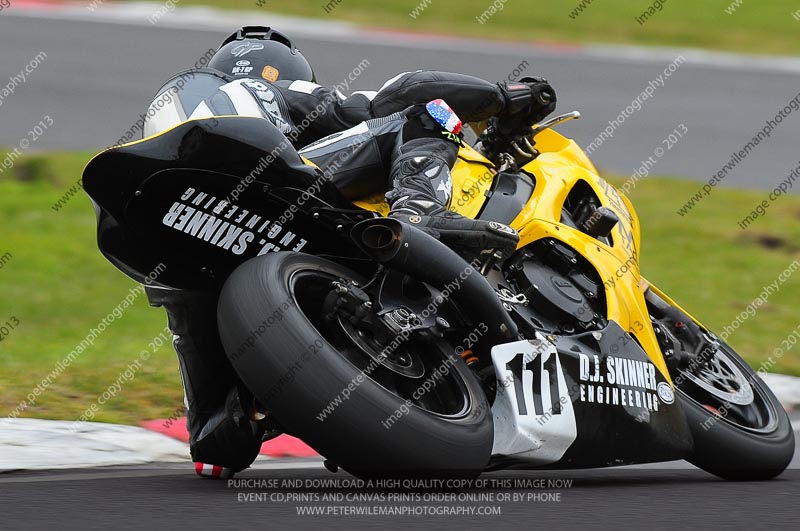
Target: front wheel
(740,429)
(408,407)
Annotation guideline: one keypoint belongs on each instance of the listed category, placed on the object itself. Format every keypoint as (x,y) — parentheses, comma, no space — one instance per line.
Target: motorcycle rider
(409,130)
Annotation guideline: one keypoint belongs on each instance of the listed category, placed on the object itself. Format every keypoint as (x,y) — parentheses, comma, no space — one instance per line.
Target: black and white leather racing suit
(393,142)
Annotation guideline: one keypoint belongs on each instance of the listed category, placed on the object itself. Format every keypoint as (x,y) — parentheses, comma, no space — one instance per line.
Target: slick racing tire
(305,370)
(740,432)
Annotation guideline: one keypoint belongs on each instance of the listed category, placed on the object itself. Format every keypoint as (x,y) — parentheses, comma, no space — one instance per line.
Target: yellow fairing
(557,170)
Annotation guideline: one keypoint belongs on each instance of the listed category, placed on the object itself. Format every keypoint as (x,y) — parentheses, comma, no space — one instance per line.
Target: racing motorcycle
(391,354)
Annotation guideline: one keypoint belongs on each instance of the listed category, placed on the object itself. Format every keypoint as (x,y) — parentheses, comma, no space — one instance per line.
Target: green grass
(763,26)
(59,286)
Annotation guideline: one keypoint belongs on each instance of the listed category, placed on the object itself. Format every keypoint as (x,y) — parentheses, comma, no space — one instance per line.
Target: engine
(554,289)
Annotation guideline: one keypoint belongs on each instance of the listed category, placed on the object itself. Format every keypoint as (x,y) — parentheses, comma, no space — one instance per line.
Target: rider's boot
(223,438)
(422,184)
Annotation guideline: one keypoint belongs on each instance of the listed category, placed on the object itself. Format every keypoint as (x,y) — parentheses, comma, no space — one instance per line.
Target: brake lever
(554,121)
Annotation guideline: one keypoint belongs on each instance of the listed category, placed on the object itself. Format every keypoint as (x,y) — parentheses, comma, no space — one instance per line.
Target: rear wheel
(371,405)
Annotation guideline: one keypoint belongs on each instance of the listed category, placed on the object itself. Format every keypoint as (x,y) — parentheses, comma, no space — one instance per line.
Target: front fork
(685,345)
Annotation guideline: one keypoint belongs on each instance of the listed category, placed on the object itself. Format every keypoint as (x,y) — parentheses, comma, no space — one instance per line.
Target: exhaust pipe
(409,250)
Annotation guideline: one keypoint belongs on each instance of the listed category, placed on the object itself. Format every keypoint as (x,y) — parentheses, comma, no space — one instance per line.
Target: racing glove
(528,101)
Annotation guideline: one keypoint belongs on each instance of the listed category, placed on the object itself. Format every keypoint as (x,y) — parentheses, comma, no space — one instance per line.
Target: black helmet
(261,53)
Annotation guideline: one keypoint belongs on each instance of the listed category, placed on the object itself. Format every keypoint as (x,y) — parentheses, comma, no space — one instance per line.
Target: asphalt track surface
(99,77)
(171,497)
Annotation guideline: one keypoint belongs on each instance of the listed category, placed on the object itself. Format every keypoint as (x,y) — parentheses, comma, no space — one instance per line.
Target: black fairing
(630,433)
(161,201)
(510,193)
(611,434)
